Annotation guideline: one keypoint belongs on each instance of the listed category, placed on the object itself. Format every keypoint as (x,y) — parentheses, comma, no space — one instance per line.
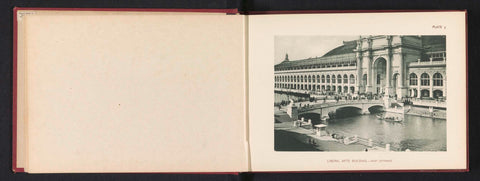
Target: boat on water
(350,140)
(389,118)
(393,119)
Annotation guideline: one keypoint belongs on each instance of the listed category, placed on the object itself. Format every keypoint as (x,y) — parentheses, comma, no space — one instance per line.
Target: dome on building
(347,47)
(341,54)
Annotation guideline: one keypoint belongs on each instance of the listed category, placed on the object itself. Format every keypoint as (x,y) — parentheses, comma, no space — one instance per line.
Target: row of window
(425,79)
(353,63)
(426,93)
(315,88)
(318,78)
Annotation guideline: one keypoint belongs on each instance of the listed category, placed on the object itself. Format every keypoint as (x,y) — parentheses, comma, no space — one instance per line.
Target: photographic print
(360,93)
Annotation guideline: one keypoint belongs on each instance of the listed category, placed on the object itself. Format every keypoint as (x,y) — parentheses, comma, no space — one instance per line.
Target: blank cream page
(134,91)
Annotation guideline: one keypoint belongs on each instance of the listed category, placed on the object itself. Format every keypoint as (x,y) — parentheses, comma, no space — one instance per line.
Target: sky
(301,47)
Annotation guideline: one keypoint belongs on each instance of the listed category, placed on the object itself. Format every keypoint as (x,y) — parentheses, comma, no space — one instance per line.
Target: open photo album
(218,91)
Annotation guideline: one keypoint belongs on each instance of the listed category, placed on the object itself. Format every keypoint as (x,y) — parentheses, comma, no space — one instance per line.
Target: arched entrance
(437,93)
(425,93)
(379,75)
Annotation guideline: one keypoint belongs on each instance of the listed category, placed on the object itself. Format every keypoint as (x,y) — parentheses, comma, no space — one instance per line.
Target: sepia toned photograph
(368,93)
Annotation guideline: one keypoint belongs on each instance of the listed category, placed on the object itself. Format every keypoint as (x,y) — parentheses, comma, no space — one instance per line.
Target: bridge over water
(318,110)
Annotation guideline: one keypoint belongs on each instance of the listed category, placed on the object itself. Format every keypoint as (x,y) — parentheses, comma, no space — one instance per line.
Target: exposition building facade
(397,66)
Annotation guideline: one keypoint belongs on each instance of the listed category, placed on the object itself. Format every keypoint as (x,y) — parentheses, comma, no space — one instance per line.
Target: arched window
(437,79)
(345,79)
(425,79)
(333,78)
(352,79)
(309,78)
(301,79)
(298,78)
(345,89)
(339,78)
(313,78)
(328,78)
(323,78)
(413,79)
(318,78)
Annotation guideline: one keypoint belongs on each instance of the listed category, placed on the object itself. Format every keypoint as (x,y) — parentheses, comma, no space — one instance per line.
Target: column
(400,78)
(369,74)
(388,74)
(418,86)
(431,86)
(388,85)
(358,83)
(444,86)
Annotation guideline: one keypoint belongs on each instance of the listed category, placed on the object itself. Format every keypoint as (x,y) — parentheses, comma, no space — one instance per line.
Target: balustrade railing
(312,106)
